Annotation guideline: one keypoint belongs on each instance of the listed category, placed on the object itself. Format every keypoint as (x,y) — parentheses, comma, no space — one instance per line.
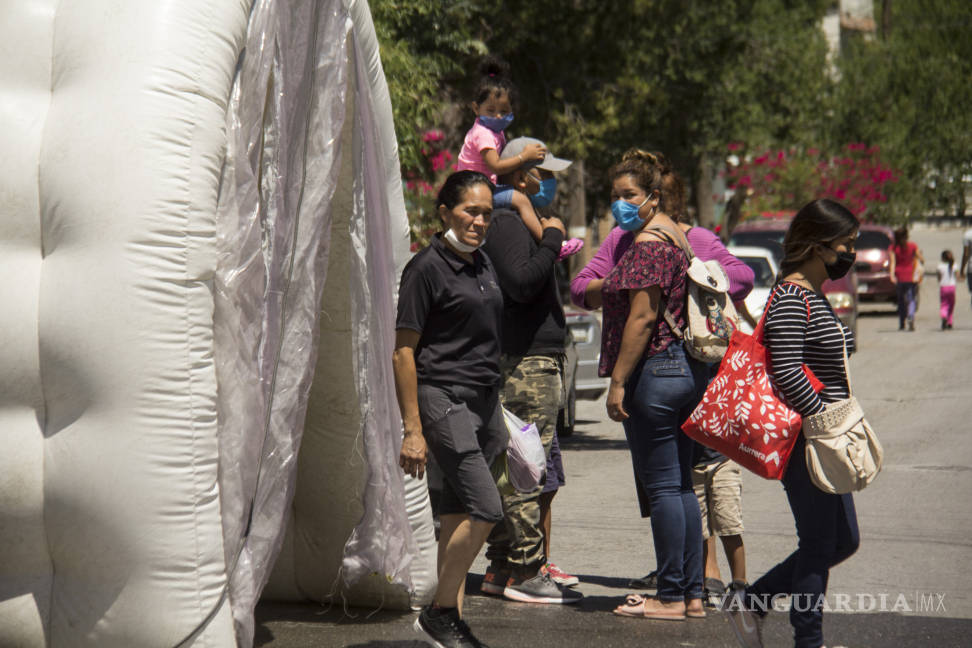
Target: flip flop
(636,606)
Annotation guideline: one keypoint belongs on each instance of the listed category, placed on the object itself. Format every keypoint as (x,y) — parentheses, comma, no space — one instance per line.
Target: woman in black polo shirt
(446,363)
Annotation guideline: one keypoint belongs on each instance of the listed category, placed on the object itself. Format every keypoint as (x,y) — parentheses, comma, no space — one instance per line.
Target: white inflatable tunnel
(201,231)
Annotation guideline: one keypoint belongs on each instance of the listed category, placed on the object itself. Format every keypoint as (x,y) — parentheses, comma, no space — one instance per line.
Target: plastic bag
(527,462)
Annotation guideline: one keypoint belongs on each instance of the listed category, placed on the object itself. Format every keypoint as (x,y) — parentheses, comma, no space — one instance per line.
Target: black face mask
(843,264)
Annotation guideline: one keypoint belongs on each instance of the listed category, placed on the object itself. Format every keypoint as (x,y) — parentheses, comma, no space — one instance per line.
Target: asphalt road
(906,586)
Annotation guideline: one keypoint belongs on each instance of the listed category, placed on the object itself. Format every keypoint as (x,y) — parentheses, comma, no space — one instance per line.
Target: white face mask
(454,241)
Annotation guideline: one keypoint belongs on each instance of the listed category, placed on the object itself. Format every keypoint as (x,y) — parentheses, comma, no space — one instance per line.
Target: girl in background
(946,288)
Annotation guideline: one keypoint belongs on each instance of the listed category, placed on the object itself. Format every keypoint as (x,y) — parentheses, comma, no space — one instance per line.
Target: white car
(764,267)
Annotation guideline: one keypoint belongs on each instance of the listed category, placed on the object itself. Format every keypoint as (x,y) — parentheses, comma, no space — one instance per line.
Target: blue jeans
(660,394)
(827,535)
(906,301)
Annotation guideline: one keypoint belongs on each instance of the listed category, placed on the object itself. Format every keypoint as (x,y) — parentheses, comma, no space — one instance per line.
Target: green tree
(681,76)
(424,44)
(909,92)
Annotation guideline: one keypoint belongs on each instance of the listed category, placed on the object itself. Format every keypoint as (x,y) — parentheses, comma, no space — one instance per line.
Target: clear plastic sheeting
(280,179)
(283,124)
(381,542)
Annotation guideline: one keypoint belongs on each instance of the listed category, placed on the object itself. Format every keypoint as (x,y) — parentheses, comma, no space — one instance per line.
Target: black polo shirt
(458,308)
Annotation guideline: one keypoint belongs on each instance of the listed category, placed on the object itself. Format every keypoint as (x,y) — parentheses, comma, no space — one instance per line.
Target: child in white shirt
(946,290)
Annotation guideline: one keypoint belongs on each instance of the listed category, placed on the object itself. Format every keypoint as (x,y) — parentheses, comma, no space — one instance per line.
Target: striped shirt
(793,340)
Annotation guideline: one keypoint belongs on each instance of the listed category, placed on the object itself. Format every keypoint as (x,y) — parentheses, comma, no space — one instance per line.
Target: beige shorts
(719,489)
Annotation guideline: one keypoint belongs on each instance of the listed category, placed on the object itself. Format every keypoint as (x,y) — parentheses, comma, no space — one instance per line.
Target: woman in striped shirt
(801,328)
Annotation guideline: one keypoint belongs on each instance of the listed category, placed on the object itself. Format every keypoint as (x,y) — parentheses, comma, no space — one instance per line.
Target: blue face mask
(496,124)
(626,214)
(548,190)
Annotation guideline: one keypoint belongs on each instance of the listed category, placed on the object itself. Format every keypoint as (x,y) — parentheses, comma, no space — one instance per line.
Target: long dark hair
(452,192)
(495,77)
(652,172)
(818,223)
(900,235)
(947,256)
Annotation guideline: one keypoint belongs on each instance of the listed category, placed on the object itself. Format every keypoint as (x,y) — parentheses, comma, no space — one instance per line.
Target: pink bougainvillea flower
(433,135)
(812,152)
(440,160)
(734,146)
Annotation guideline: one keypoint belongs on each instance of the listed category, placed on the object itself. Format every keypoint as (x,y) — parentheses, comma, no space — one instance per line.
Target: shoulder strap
(758,331)
(687,251)
(674,238)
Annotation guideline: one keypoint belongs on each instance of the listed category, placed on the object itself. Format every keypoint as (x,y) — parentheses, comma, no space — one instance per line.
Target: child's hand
(534,152)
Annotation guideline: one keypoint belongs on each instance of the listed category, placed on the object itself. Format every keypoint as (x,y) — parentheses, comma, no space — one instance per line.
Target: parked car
(583,356)
(764,267)
(873,265)
(768,233)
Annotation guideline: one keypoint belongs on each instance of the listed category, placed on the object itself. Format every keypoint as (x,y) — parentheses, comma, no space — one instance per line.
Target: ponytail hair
(652,172)
(817,223)
(495,77)
(947,256)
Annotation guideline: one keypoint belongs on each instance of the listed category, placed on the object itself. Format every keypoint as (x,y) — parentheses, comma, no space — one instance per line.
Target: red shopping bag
(741,415)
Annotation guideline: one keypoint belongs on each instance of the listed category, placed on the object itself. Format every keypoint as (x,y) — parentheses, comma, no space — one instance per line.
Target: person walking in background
(965,268)
(946,288)
(905,256)
(802,328)
(446,365)
(534,333)
(654,383)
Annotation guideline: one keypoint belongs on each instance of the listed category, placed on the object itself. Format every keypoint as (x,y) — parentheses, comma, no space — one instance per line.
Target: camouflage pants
(533,389)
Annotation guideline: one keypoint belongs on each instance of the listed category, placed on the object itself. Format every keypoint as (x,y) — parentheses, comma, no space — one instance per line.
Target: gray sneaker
(540,589)
(713,592)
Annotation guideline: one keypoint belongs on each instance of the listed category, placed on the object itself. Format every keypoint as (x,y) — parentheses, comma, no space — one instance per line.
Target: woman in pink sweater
(585,288)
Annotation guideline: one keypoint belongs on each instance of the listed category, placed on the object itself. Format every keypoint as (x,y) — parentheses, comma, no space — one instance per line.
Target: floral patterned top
(645,264)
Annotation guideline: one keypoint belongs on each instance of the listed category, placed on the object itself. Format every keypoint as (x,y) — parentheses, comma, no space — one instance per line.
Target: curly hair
(652,172)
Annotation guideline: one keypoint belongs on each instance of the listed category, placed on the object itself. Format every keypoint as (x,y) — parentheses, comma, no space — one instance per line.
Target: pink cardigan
(705,245)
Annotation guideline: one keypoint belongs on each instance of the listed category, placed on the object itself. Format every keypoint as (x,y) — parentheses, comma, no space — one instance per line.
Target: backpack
(710,317)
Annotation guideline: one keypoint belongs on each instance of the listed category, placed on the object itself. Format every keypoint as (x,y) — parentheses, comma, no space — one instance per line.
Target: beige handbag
(843,453)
